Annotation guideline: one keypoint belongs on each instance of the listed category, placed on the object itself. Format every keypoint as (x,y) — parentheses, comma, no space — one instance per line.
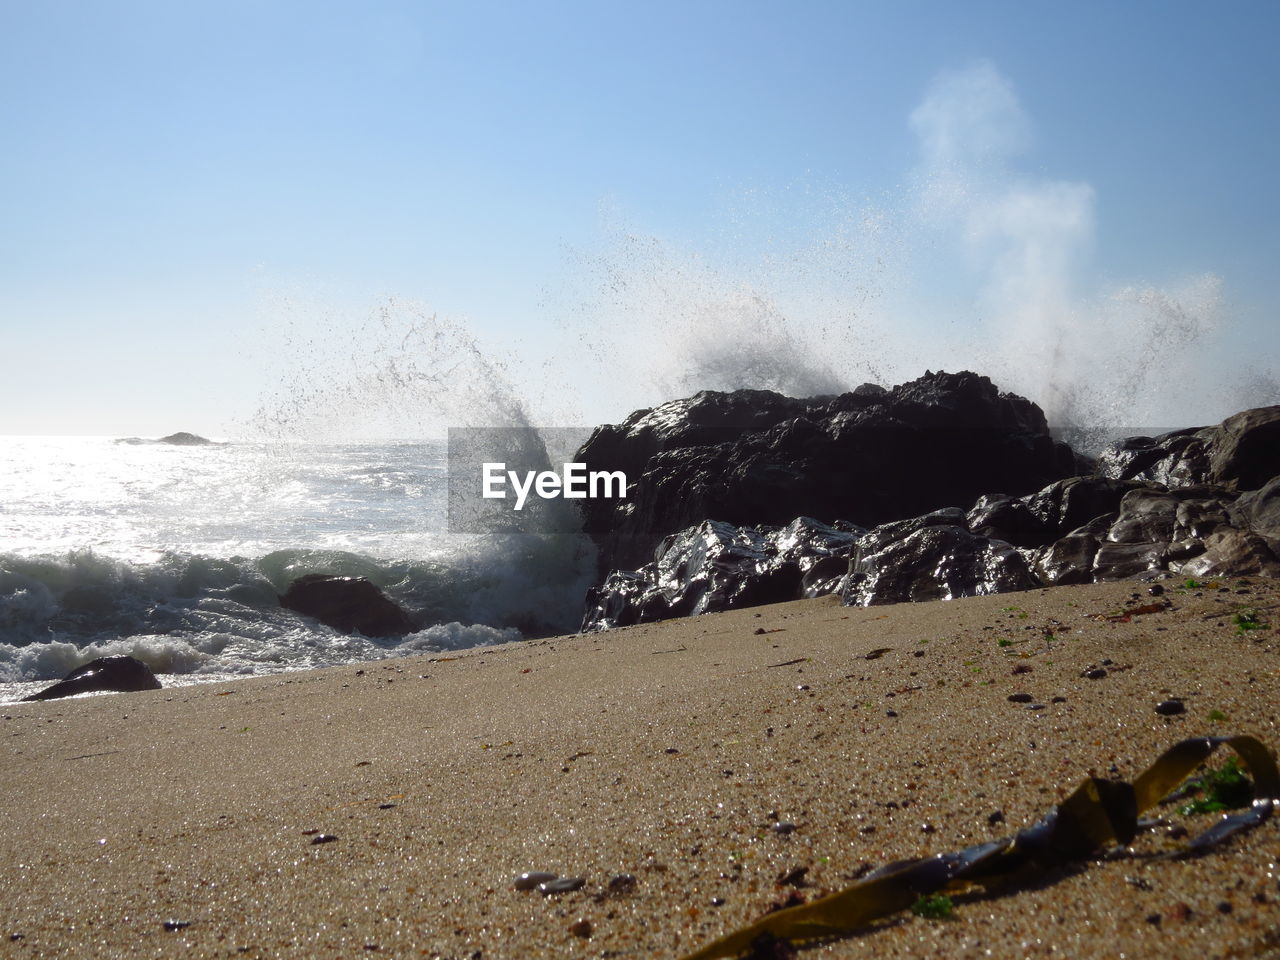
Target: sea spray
(978,263)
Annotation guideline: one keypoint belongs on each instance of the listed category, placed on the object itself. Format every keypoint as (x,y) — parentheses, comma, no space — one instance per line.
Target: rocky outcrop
(179,439)
(184,439)
(871,456)
(716,566)
(1193,503)
(934,557)
(348,604)
(1241,453)
(106,674)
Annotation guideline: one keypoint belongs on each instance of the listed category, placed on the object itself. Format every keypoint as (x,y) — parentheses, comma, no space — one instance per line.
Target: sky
(346,220)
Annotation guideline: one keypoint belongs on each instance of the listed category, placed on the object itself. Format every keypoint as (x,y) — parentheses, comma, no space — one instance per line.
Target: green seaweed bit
(1226,788)
(1192,584)
(937,907)
(1216,716)
(1248,620)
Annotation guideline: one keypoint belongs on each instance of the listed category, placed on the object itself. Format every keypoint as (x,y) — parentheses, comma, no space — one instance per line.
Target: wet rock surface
(716,566)
(106,674)
(1198,503)
(349,604)
(870,456)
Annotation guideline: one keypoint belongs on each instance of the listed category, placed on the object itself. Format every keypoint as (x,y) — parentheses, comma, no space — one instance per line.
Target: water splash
(806,288)
(397,371)
(978,264)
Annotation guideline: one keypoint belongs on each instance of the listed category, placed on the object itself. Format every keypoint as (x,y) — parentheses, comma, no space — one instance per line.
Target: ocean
(176,554)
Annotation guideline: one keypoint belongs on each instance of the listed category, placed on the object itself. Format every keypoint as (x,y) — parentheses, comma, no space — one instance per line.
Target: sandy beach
(682,769)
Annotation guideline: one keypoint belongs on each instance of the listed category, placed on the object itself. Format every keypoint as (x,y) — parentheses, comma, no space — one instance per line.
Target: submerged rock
(106,674)
(348,604)
(184,439)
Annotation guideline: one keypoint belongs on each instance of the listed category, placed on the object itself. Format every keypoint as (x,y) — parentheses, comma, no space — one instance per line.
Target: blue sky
(215,212)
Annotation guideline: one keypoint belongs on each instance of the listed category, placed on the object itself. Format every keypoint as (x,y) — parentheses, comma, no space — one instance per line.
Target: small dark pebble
(918,653)
(794,899)
(172,925)
(1020,698)
(768,947)
(759,630)
(1258,898)
(561,885)
(581,928)
(784,827)
(793,877)
(622,883)
(1225,907)
(386,806)
(928,828)
(323,838)
(1155,590)
(1170,708)
(1176,832)
(527,881)
(15,937)
(891,713)
(717,901)
(1095,674)
(671,750)
(1035,706)
(1058,700)
(1021,668)
(1153,919)
(995,817)
(1106,663)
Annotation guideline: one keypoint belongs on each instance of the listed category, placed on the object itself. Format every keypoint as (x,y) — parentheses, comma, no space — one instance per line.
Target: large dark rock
(106,674)
(939,560)
(871,456)
(716,566)
(1241,453)
(349,604)
(1170,505)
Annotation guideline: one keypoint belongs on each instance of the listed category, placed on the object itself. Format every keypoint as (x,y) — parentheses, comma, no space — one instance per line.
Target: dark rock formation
(1241,453)
(180,439)
(871,456)
(716,566)
(1172,505)
(106,674)
(938,560)
(184,439)
(349,604)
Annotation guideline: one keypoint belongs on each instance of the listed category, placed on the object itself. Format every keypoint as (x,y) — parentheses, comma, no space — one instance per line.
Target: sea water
(176,555)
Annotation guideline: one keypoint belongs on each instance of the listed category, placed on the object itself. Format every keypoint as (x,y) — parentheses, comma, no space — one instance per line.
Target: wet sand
(385,810)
